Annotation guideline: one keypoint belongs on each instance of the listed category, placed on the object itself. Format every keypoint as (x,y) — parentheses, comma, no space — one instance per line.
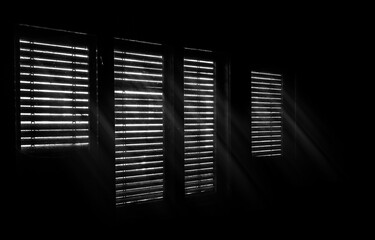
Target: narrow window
(53,94)
(199,125)
(139,130)
(266,114)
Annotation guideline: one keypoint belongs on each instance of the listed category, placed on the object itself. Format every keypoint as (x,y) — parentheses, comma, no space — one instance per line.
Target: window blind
(139,131)
(266,114)
(199,125)
(53,94)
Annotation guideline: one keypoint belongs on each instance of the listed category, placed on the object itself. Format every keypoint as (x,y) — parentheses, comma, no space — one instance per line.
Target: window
(53,93)
(139,130)
(266,114)
(199,125)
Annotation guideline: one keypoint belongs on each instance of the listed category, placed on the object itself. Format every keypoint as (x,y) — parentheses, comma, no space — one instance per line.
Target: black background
(325,184)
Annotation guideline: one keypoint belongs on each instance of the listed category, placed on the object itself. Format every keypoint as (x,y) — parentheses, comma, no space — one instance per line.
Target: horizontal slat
(133,56)
(139,178)
(138,184)
(199,189)
(136,140)
(151,153)
(190,143)
(124,67)
(137,127)
(48,102)
(139,190)
(55,132)
(60,117)
(138,64)
(120,133)
(200,102)
(127,120)
(56,86)
(55,146)
(141,198)
(202,86)
(142,171)
(24,42)
(199,154)
(200,183)
(37,69)
(52,50)
(50,93)
(199,177)
(199,160)
(198,171)
(266,132)
(189,132)
(38,54)
(197,148)
(138,165)
(127,159)
(267,151)
(52,63)
(197,66)
(200,165)
(63,79)
(157,108)
(54,140)
(139,93)
(198,90)
(266,142)
(28,109)
(120,99)
(123,78)
(52,125)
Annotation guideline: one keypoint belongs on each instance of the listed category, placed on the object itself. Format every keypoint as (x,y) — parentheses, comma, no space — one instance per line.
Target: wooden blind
(199,125)
(266,114)
(53,94)
(139,129)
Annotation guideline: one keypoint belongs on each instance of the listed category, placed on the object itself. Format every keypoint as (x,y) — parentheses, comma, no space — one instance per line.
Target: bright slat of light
(54,45)
(55,68)
(38,59)
(197,61)
(199,78)
(140,54)
(53,76)
(265,73)
(138,61)
(52,91)
(53,145)
(54,53)
(54,84)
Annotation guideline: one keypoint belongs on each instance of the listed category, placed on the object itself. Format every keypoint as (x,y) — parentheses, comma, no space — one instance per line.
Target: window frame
(274,70)
(146,48)
(204,55)
(60,36)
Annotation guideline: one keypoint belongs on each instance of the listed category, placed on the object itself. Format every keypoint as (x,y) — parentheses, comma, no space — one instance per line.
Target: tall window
(53,93)
(139,130)
(266,114)
(199,125)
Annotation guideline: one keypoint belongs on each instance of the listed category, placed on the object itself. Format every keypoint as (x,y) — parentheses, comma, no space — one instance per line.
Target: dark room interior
(319,180)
